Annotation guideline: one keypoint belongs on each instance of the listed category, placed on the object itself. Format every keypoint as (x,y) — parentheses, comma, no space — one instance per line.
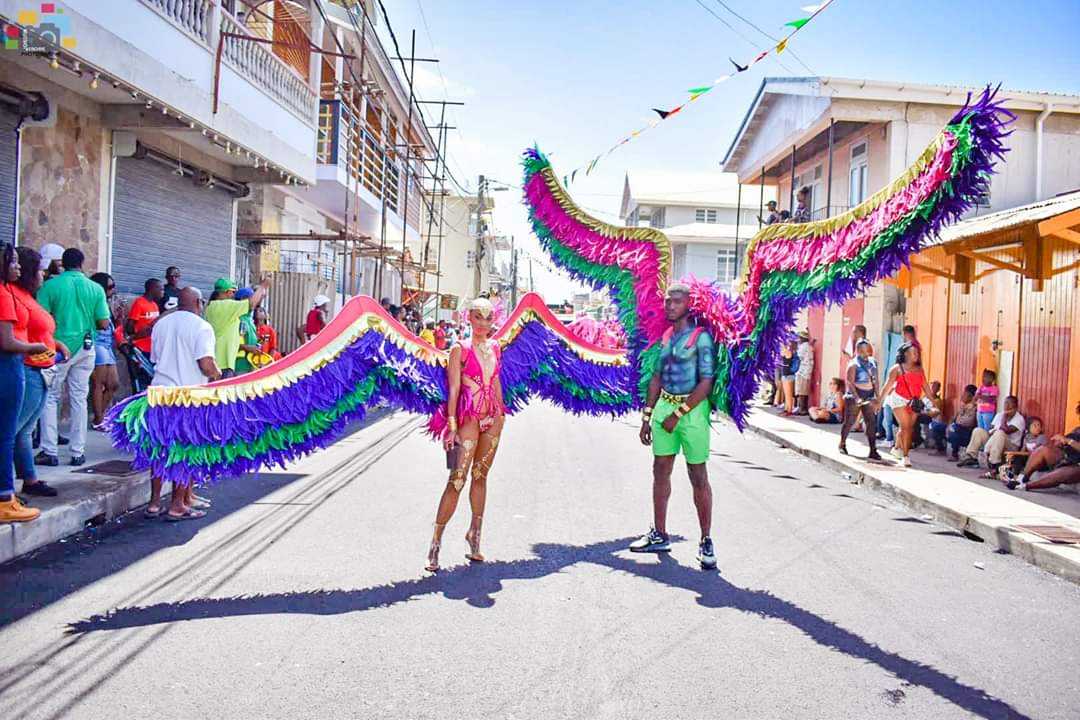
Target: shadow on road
(478,584)
(35,581)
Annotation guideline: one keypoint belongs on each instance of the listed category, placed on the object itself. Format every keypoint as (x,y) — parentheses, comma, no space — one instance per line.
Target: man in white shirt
(1008,429)
(182,350)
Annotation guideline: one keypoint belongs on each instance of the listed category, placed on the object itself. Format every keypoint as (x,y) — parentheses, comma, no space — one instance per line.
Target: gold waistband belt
(673,399)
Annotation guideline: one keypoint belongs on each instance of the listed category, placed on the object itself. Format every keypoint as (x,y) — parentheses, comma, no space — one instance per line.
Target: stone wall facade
(61,184)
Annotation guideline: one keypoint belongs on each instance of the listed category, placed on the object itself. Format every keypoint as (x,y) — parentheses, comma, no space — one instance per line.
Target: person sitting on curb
(1061,456)
(1034,438)
(1008,434)
(831,411)
(958,434)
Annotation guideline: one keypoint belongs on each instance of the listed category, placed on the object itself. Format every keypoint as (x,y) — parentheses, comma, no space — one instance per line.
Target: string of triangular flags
(698,92)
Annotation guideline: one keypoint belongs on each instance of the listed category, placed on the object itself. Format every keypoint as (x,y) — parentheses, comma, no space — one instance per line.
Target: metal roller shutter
(162,219)
(9,180)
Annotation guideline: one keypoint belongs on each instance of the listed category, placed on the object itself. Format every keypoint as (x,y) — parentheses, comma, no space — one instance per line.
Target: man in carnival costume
(677,418)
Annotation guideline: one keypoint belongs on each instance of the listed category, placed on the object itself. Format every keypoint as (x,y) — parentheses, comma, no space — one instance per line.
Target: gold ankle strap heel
(473,538)
(433,551)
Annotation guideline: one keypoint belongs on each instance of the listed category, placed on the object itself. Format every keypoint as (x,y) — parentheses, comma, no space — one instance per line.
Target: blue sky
(575,75)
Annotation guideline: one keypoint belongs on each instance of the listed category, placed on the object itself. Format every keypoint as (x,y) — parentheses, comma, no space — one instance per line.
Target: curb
(103,500)
(1061,560)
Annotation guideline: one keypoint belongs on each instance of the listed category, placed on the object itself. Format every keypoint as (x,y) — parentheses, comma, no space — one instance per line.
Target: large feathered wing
(632,264)
(301,403)
(790,266)
(541,358)
(786,267)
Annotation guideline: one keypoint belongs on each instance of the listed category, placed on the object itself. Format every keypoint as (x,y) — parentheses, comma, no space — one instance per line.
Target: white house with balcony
(138,129)
(700,214)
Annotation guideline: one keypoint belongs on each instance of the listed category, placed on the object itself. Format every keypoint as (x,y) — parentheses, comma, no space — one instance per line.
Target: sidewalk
(88,499)
(980,508)
(84,499)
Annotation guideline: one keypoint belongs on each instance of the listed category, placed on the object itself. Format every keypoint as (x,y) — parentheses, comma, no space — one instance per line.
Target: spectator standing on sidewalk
(904,390)
(78,305)
(987,398)
(248,357)
(1007,433)
(789,365)
(317,316)
(105,380)
(224,313)
(51,255)
(861,398)
(39,329)
(14,324)
(857,333)
(805,351)
(142,315)
(170,294)
(910,339)
(184,346)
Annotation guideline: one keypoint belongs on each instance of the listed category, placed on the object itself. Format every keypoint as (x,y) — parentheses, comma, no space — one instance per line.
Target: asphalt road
(303,597)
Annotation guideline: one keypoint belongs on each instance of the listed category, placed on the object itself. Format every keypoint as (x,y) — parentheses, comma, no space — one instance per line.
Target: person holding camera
(78,305)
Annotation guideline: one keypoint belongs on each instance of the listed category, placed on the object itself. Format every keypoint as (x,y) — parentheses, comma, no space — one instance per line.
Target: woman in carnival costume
(470,427)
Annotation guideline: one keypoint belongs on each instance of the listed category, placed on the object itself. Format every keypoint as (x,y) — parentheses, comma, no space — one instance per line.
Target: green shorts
(691,433)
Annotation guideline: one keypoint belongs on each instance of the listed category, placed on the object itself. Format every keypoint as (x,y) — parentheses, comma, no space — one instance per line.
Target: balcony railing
(254,60)
(351,143)
(265,69)
(194,17)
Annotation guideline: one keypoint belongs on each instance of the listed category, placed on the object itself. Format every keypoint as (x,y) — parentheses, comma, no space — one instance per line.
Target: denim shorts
(103,354)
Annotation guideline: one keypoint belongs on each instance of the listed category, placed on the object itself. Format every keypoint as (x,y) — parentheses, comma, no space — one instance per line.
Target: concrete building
(136,126)
(361,225)
(845,139)
(462,276)
(699,214)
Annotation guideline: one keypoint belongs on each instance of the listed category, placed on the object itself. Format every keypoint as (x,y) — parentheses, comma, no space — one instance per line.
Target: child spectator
(987,398)
(831,411)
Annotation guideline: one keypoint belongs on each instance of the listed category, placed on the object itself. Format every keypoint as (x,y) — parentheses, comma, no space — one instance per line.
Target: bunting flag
(696,92)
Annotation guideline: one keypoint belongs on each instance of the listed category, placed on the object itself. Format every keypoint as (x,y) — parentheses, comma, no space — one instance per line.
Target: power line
(767,35)
(735,30)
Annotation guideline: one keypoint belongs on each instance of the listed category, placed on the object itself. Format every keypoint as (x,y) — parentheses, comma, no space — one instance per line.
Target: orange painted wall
(1041,328)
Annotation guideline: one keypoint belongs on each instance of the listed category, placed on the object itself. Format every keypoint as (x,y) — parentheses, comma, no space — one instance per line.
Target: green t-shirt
(224,316)
(77,303)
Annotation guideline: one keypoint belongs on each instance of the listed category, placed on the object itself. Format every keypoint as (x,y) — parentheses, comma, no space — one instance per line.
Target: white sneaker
(906,462)
(896,452)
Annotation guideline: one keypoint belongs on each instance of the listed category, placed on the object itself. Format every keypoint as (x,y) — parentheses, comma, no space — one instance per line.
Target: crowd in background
(63,335)
(900,406)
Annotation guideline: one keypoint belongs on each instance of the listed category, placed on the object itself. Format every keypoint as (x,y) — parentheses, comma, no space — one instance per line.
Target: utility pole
(513,274)
(532,288)
(477,275)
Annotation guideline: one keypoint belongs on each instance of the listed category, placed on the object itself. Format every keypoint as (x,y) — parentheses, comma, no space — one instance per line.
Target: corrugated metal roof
(1011,218)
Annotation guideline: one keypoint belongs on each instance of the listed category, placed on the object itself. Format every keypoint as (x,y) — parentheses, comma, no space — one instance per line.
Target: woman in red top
(14,319)
(905,383)
(39,329)
(266,333)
